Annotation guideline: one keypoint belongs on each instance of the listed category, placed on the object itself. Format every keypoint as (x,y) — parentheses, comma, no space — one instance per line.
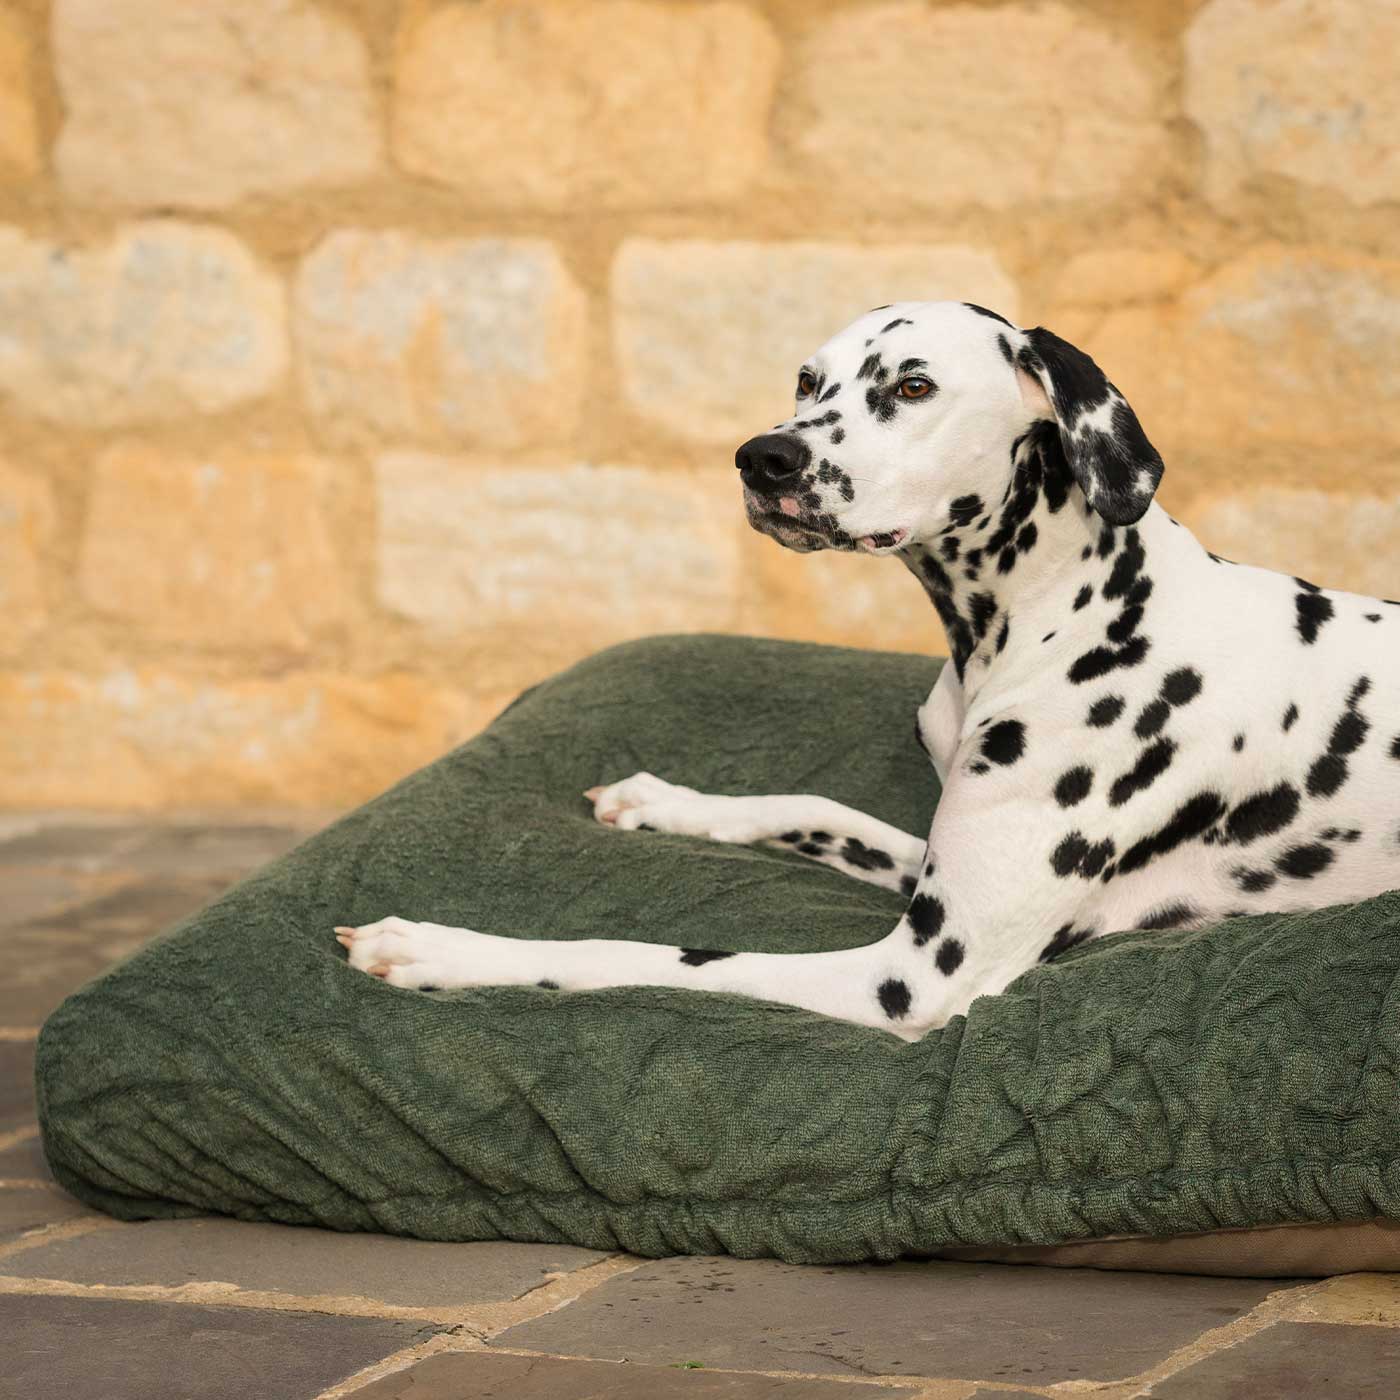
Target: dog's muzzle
(772,463)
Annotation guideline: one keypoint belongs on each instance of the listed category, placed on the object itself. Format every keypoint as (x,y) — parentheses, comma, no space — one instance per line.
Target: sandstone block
(26,522)
(1297,344)
(710,336)
(1335,540)
(1113,277)
(1295,347)
(19,128)
(550,105)
(219,551)
(597,553)
(161,320)
(146,739)
(474,341)
(1299,88)
(203,105)
(970,105)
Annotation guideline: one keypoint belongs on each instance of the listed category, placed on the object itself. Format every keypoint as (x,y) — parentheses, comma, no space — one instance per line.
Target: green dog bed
(1143,1085)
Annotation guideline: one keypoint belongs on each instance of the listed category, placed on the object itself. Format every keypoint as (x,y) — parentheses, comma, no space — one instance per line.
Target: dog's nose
(769,462)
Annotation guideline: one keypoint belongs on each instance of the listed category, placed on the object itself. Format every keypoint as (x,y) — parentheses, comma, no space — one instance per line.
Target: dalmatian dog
(1131,733)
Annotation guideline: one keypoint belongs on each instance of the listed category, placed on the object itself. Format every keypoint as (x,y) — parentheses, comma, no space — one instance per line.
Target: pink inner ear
(1032,395)
(788,505)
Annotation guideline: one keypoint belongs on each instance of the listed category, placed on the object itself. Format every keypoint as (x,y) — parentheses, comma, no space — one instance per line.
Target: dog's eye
(806,383)
(915,387)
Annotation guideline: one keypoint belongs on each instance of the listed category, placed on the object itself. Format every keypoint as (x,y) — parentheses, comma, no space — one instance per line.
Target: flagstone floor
(213,1308)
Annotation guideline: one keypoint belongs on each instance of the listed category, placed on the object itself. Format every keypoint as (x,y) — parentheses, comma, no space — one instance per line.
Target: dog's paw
(648,803)
(408,954)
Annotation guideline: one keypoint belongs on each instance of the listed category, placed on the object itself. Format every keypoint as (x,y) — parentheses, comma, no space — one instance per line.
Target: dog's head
(907,420)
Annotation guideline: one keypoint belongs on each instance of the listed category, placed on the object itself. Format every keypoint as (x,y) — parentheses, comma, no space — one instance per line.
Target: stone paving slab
(54,955)
(80,845)
(1295,1359)
(37,894)
(73,1349)
(16,1084)
(300,1261)
(24,1162)
(991,1322)
(477,1376)
(170,847)
(25,1208)
(230,851)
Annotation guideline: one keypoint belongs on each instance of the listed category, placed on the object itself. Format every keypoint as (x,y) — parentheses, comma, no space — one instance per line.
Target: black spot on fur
(895,998)
(1329,772)
(965,509)
(1326,776)
(1348,733)
(907,885)
(1152,762)
(984,609)
(925,915)
(1169,916)
(1314,611)
(1065,938)
(1099,661)
(1237,743)
(1153,719)
(543,982)
(791,837)
(1104,711)
(1191,820)
(1074,785)
(949,957)
(1303,862)
(1254,881)
(698,957)
(1262,814)
(1004,742)
(1081,599)
(898,321)
(982,311)
(1076,856)
(856,852)
(1126,566)
(1182,686)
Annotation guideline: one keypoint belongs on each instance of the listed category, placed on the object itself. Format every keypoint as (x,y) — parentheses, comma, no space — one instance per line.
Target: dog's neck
(1026,558)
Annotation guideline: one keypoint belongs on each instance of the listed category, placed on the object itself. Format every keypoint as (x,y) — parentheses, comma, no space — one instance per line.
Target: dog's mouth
(796,527)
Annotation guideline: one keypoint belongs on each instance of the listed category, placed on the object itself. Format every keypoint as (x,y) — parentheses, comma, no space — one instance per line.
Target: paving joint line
(19,1135)
(54,1234)
(476,1321)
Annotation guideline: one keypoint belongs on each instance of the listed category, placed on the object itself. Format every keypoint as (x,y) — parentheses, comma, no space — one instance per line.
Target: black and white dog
(1132,733)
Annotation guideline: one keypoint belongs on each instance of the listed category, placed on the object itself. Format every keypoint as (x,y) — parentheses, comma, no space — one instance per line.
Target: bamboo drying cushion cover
(1149,1084)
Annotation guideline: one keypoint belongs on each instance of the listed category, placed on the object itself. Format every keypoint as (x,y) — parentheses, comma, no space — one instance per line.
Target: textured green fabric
(1148,1084)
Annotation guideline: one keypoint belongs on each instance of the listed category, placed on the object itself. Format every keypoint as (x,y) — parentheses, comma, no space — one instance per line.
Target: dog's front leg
(816,827)
(892,984)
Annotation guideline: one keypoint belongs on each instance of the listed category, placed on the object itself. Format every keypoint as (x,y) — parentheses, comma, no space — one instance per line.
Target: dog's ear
(1113,462)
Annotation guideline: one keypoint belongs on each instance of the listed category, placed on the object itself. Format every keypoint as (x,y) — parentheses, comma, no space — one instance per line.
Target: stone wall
(361,362)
